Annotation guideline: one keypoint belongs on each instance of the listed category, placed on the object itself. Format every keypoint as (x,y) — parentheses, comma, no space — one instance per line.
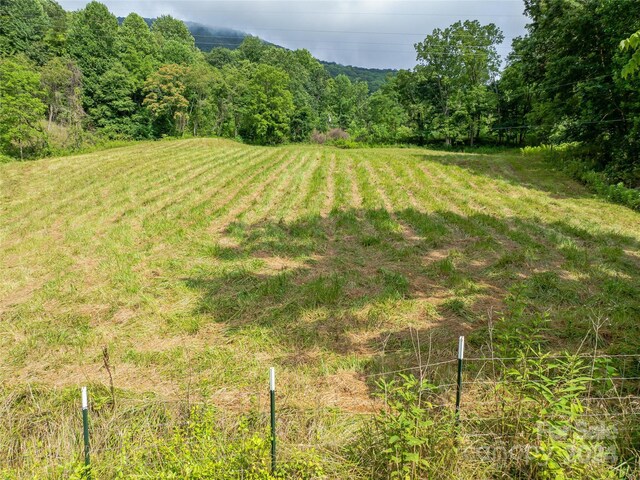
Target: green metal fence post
(85,428)
(272,392)
(459,391)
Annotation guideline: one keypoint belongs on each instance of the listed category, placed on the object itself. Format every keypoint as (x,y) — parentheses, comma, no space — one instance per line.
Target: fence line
(464,417)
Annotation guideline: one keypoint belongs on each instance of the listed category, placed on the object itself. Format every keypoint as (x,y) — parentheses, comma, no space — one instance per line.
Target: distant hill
(208,38)
(375,77)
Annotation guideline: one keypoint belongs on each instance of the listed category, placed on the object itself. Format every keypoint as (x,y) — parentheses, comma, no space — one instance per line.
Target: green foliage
(21,109)
(252,49)
(631,44)
(455,66)
(199,450)
(62,82)
(551,410)
(387,117)
(55,37)
(203,83)
(138,50)
(617,193)
(375,78)
(93,39)
(266,106)
(567,73)
(114,106)
(345,102)
(220,56)
(409,438)
(23,26)
(165,98)
(175,42)
(568,158)
(167,28)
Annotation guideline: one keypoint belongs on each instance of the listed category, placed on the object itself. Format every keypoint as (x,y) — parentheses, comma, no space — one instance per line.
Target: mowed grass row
(200,263)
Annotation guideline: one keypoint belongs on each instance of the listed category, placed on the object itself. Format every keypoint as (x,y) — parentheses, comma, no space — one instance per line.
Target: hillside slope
(163,236)
(199,263)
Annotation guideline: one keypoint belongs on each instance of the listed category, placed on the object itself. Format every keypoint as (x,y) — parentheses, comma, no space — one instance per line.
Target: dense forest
(70,77)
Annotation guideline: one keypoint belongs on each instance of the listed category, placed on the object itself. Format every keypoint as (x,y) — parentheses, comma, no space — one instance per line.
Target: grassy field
(200,263)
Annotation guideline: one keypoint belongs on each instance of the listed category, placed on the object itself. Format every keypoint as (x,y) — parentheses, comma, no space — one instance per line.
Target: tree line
(84,72)
(67,75)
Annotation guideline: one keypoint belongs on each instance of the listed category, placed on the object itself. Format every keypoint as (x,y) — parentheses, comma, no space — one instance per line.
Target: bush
(410,439)
(337,134)
(345,143)
(318,137)
(200,450)
(617,193)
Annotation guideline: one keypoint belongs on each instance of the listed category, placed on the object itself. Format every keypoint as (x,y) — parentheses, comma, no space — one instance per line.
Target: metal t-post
(459,391)
(272,392)
(85,430)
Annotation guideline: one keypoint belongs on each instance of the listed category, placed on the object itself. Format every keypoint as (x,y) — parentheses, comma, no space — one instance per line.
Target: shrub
(410,438)
(345,143)
(337,134)
(547,403)
(318,137)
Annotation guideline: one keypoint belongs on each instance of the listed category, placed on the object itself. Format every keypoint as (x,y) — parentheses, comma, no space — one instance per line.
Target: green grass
(200,263)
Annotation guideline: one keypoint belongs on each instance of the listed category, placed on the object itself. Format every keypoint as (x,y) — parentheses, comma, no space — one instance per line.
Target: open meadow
(201,263)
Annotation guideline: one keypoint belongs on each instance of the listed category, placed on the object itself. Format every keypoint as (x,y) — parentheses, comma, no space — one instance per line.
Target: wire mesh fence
(486,394)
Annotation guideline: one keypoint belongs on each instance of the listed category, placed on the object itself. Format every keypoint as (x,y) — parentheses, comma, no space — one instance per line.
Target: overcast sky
(373,33)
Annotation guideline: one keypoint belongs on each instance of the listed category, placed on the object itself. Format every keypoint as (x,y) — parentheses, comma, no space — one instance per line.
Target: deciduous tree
(165,98)
(21,108)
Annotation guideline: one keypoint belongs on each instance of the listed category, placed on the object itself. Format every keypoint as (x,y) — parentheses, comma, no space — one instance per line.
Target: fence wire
(475,414)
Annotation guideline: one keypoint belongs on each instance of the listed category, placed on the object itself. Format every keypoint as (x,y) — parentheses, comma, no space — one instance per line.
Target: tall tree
(345,102)
(264,105)
(93,43)
(167,28)
(55,39)
(219,57)
(23,25)
(114,107)
(572,58)
(307,84)
(138,50)
(175,42)
(252,49)
(457,64)
(387,116)
(202,82)
(165,98)
(21,108)
(515,101)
